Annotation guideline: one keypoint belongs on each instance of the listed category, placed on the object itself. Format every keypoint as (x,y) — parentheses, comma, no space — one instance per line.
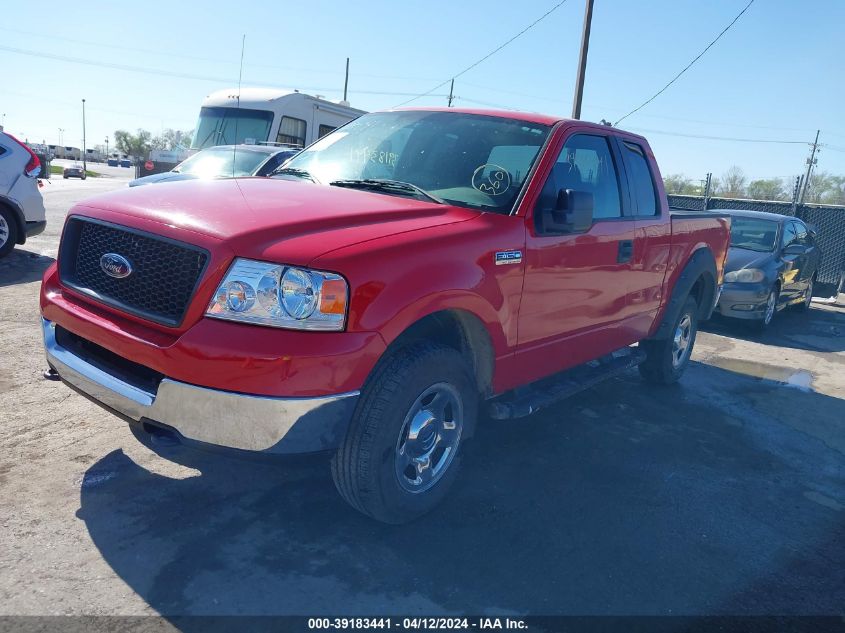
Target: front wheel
(769,311)
(808,296)
(402,450)
(666,359)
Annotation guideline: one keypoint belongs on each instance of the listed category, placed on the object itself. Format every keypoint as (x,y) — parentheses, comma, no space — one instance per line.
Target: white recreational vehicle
(267,115)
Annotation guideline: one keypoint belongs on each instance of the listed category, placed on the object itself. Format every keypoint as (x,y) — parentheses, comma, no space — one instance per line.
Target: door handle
(625,252)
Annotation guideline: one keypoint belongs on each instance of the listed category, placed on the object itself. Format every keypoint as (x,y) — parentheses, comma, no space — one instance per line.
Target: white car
(22,212)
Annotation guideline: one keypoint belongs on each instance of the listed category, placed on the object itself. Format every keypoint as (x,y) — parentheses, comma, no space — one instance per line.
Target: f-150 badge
(508,257)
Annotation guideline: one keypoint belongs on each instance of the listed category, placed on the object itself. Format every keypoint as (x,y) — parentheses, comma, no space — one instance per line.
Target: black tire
(11,226)
(364,468)
(65,177)
(660,365)
(761,325)
(808,296)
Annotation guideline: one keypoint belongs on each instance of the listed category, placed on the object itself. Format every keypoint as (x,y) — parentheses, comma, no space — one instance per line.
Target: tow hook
(51,374)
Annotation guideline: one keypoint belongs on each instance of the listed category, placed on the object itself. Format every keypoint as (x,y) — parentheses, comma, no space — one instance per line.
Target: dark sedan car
(73,171)
(224,161)
(772,263)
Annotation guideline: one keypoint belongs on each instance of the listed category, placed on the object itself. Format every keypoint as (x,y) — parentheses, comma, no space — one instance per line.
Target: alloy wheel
(429,438)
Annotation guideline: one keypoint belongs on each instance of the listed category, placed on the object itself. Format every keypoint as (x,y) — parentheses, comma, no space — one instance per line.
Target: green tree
(680,184)
(172,139)
(136,146)
(767,189)
(825,188)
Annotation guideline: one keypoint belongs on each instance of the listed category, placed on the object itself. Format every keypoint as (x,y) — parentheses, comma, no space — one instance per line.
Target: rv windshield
(469,160)
(231,126)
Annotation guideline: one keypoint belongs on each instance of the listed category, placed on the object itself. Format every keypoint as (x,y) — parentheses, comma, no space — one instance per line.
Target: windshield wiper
(294,171)
(390,186)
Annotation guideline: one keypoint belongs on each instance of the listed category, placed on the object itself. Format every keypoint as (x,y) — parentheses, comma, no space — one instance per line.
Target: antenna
(238,106)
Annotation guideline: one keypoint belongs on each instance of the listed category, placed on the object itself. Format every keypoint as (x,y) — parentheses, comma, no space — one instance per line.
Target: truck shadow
(817,330)
(21,267)
(707,497)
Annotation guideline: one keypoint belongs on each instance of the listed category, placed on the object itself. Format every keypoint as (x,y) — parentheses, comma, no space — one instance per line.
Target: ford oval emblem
(115,265)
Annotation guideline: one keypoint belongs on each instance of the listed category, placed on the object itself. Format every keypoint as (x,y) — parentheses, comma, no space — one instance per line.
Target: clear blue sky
(777,74)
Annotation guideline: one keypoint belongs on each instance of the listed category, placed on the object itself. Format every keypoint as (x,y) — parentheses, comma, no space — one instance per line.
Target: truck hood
(264,218)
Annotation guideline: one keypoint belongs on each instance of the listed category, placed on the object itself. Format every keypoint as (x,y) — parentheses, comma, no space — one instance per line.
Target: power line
(177,75)
(688,66)
(721,138)
(488,55)
(171,55)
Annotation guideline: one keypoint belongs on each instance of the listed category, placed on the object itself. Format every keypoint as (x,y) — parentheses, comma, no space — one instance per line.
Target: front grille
(164,273)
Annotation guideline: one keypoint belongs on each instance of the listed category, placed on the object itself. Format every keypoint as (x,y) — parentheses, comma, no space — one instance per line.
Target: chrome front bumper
(222,418)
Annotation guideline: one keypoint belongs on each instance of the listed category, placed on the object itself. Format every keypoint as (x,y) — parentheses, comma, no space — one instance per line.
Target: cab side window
(585,163)
(640,179)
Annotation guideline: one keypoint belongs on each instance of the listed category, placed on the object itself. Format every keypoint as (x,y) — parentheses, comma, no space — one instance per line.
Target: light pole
(84,167)
(107,149)
(61,132)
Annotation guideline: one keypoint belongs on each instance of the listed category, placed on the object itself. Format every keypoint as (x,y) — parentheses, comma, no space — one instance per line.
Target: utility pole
(346,81)
(707,184)
(451,92)
(582,60)
(107,149)
(61,132)
(84,164)
(810,163)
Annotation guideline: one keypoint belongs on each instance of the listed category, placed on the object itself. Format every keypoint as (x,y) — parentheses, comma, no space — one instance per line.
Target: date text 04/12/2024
(417,623)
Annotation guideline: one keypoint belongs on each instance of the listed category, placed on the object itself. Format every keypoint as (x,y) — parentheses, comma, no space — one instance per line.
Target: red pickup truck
(403,277)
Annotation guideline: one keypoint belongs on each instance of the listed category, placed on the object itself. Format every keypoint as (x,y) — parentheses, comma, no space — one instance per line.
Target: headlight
(745,276)
(281,296)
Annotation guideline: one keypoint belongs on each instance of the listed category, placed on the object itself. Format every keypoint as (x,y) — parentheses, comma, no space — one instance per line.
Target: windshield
(754,234)
(230,126)
(465,159)
(224,162)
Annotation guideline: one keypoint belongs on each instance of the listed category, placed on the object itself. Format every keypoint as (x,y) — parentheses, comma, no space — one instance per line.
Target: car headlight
(745,276)
(281,296)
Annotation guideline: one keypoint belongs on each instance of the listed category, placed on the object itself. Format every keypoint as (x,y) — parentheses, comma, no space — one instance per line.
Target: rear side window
(803,236)
(640,179)
(325,129)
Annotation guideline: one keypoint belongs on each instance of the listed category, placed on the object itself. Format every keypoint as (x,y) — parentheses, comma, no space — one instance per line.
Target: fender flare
(701,265)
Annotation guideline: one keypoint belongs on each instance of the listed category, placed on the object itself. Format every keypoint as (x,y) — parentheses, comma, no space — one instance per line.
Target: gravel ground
(724,494)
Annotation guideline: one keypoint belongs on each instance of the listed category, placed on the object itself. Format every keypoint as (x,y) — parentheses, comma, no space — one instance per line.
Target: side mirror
(795,249)
(573,213)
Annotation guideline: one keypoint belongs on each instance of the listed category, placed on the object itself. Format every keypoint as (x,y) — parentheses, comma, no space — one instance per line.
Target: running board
(524,401)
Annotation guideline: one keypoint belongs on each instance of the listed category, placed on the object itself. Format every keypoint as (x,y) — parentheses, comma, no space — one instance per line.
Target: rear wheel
(402,450)
(8,232)
(666,359)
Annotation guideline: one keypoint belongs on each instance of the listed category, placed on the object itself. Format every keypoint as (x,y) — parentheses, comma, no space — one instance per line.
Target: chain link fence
(829,222)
